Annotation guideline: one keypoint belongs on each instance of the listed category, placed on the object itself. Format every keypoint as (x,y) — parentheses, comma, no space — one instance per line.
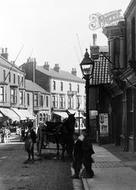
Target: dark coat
(87,149)
(77,150)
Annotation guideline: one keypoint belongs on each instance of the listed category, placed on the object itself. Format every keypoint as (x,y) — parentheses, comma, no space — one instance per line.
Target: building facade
(66,89)
(37,102)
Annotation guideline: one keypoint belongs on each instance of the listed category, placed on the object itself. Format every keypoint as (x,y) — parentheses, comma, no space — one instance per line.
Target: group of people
(82,155)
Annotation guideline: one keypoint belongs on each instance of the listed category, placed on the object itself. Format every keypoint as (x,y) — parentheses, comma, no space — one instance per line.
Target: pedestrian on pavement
(77,155)
(88,151)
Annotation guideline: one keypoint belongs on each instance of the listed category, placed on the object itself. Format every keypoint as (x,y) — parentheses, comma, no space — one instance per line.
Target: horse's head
(69,123)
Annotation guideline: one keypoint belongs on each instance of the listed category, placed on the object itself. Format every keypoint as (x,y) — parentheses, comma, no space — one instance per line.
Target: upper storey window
(54,85)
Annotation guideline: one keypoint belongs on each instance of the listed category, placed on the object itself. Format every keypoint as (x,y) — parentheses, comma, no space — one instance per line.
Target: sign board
(98,20)
(103,123)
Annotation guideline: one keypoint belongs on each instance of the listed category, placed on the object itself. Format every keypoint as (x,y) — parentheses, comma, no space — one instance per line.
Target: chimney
(4,53)
(74,72)
(56,68)
(46,66)
(94,39)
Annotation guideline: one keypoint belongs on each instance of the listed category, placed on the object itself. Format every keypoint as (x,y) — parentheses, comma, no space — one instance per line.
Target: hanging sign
(103,123)
(98,20)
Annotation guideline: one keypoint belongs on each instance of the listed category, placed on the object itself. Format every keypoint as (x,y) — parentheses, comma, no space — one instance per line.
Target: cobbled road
(46,173)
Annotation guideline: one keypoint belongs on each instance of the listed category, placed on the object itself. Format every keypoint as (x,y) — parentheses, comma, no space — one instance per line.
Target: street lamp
(87,66)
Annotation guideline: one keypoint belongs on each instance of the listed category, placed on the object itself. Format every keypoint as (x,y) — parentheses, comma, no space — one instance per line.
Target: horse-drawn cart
(60,133)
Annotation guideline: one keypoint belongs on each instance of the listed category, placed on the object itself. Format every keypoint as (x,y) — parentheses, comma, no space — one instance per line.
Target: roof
(62,75)
(101,72)
(31,86)
(5,63)
(130,6)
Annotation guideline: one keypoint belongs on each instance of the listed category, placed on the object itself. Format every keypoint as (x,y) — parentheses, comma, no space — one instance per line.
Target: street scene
(68,95)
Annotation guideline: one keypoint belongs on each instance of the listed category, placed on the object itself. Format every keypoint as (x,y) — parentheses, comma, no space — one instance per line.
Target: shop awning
(62,114)
(10,114)
(23,114)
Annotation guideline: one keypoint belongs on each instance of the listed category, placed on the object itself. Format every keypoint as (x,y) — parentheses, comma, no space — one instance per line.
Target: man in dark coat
(88,151)
(77,155)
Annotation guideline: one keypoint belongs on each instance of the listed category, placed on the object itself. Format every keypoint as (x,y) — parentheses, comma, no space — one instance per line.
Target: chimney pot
(56,68)
(74,72)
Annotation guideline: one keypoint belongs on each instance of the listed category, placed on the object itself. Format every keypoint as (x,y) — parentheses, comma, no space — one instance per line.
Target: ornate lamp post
(87,66)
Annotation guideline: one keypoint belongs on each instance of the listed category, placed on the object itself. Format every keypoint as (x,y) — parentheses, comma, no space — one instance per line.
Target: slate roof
(62,75)
(33,87)
(5,63)
(101,72)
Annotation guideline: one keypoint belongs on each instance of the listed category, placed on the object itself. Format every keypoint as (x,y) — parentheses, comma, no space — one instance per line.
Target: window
(21,97)
(61,86)
(28,99)
(62,102)
(2,94)
(14,78)
(36,100)
(70,102)
(70,87)
(133,37)
(47,101)
(9,77)
(78,88)
(22,81)
(116,52)
(18,80)
(40,118)
(55,101)
(44,117)
(13,95)
(41,100)
(54,85)
(4,75)
(78,102)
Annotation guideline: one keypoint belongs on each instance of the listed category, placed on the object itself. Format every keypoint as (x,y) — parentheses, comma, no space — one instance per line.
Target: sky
(53,31)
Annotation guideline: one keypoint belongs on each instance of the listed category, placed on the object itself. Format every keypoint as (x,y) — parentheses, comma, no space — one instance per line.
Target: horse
(60,133)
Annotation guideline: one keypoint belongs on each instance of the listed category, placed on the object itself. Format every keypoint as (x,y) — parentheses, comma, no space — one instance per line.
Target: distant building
(67,89)
(37,101)
(12,87)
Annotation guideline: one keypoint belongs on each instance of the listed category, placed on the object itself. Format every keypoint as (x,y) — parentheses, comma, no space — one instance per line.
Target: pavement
(113,168)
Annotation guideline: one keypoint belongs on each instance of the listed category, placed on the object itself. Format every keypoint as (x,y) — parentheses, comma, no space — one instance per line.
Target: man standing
(77,155)
(87,149)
